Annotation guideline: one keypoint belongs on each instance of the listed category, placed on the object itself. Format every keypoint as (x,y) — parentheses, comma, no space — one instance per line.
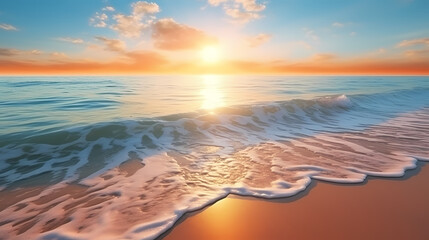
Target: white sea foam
(135,179)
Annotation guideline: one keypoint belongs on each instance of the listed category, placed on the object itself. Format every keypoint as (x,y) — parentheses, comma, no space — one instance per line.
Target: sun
(210,54)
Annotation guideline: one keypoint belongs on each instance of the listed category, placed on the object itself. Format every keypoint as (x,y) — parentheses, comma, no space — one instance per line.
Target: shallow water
(112,157)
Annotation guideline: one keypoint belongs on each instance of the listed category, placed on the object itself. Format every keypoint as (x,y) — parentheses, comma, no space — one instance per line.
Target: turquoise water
(43,104)
(78,155)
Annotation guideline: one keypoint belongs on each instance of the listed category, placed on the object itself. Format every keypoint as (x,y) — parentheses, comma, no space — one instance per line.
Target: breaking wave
(79,183)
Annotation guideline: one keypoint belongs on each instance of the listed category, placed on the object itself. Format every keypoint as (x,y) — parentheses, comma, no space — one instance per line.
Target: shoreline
(358,205)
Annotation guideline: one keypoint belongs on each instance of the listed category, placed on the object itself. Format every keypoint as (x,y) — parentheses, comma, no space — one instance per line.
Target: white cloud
(216,2)
(59,55)
(114,45)
(8,27)
(71,40)
(131,26)
(352,34)
(310,34)
(338,24)
(251,5)
(128,26)
(241,16)
(413,42)
(255,41)
(36,52)
(142,8)
(99,20)
(241,11)
(109,9)
(420,47)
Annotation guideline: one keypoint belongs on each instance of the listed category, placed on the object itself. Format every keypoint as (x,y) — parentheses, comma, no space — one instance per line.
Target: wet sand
(379,208)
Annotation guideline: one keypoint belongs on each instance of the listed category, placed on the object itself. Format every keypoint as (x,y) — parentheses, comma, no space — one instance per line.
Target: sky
(330,37)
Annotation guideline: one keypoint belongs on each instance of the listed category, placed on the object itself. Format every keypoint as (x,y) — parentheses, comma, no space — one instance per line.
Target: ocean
(124,157)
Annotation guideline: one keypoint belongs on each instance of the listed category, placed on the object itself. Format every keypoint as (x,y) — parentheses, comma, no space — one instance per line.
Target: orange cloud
(170,35)
(114,45)
(140,62)
(149,62)
(357,67)
(323,57)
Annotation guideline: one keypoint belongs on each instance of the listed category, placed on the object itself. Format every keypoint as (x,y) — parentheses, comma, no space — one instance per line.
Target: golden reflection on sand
(225,220)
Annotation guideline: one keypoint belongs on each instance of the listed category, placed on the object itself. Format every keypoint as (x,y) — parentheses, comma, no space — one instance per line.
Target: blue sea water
(78,155)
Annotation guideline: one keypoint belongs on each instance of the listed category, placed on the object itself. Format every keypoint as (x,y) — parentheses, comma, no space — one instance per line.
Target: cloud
(114,45)
(338,24)
(109,9)
(7,27)
(241,16)
(423,53)
(241,11)
(413,42)
(251,5)
(323,57)
(9,52)
(255,41)
(170,35)
(99,20)
(421,48)
(128,26)
(140,62)
(36,52)
(59,55)
(142,16)
(352,34)
(142,8)
(216,2)
(310,34)
(151,59)
(70,40)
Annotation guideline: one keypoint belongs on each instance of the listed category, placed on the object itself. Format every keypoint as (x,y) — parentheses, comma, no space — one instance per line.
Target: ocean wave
(80,182)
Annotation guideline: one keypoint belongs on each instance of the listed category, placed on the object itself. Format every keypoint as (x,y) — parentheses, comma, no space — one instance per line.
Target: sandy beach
(379,208)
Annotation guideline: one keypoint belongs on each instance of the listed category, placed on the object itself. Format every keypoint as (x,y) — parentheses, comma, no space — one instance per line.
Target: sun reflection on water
(211,93)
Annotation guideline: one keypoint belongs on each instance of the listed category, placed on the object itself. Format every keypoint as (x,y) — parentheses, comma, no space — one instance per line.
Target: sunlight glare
(213,96)
(210,54)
